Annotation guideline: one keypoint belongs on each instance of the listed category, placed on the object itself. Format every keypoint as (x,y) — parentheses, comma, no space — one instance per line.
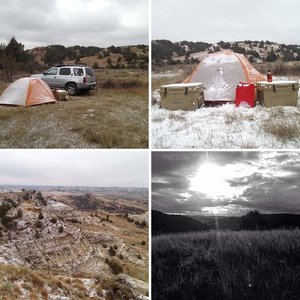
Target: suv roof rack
(70,65)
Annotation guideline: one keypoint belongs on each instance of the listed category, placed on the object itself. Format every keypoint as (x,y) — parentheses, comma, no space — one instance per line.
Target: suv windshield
(89,71)
(52,71)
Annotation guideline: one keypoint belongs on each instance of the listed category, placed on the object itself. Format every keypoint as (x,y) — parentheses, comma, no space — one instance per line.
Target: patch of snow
(220,58)
(58,205)
(278,82)
(225,127)
(156,96)
(21,224)
(167,74)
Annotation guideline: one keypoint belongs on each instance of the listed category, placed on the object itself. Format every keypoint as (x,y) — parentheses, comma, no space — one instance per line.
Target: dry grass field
(113,116)
(226,265)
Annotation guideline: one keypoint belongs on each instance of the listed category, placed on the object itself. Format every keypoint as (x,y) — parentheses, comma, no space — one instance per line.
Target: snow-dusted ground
(224,127)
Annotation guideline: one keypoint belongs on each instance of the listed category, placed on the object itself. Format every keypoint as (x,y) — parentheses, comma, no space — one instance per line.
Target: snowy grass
(226,127)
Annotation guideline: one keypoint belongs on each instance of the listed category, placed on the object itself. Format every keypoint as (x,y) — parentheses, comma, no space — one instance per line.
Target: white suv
(72,78)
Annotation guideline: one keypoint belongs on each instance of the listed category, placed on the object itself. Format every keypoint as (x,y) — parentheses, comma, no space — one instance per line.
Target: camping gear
(182,96)
(269,76)
(277,93)
(245,95)
(61,95)
(27,92)
(221,72)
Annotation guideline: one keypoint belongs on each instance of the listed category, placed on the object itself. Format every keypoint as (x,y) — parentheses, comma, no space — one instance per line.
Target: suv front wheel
(72,89)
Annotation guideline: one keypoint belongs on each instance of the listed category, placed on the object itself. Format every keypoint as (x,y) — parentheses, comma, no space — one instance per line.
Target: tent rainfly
(221,72)
(27,92)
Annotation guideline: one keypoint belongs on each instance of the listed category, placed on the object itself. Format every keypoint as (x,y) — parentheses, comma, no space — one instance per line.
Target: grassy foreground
(113,116)
(227,265)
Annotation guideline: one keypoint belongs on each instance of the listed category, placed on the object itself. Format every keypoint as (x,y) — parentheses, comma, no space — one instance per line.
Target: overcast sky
(74,22)
(230,20)
(74,167)
(226,183)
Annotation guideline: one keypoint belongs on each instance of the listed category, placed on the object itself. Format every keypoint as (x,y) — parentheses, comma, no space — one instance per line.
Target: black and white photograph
(225,225)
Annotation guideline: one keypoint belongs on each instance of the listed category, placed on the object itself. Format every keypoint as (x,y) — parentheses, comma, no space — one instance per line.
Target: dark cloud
(73,22)
(271,183)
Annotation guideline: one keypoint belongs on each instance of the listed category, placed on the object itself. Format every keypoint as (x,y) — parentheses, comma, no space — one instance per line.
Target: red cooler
(245,95)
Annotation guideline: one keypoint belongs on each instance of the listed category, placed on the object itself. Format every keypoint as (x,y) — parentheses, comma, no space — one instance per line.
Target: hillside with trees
(167,52)
(14,58)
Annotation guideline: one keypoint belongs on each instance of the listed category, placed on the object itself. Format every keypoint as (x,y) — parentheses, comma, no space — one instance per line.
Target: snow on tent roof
(221,72)
(27,92)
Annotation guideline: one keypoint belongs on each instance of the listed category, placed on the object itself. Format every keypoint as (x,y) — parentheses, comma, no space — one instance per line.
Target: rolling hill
(167,52)
(135,56)
(163,223)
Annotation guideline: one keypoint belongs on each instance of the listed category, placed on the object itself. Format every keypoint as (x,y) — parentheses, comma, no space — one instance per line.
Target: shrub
(38,224)
(95,65)
(37,234)
(53,220)
(111,251)
(41,217)
(143,243)
(115,266)
(61,229)
(20,213)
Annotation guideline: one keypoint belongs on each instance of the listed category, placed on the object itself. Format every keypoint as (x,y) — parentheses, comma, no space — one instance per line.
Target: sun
(212,180)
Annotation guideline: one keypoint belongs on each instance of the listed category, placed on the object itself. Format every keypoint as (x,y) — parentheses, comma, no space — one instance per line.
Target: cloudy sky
(226,183)
(72,22)
(74,167)
(230,20)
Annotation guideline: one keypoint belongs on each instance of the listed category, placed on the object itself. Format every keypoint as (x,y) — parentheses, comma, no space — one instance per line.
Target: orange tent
(221,72)
(27,92)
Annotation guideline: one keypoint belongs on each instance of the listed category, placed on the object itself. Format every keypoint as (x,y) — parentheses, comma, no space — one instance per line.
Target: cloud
(74,22)
(74,167)
(230,20)
(268,181)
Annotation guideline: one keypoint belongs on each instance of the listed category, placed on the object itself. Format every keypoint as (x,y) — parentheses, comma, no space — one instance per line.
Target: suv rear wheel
(72,89)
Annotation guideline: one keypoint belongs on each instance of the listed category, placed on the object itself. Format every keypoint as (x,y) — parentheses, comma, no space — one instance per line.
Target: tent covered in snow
(221,72)
(27,92)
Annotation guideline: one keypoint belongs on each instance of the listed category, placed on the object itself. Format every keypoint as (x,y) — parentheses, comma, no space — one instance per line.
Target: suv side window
(78,71)
(52,71)
(65,71)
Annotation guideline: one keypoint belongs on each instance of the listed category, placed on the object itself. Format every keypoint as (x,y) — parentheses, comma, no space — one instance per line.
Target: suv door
(91,77)
(64,76)
(50,76)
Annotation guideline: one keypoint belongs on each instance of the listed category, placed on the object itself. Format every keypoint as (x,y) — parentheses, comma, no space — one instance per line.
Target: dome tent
(221,72)
(27,92)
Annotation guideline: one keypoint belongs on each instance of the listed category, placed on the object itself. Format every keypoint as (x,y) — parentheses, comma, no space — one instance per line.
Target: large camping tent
(27,92)
(221,72)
